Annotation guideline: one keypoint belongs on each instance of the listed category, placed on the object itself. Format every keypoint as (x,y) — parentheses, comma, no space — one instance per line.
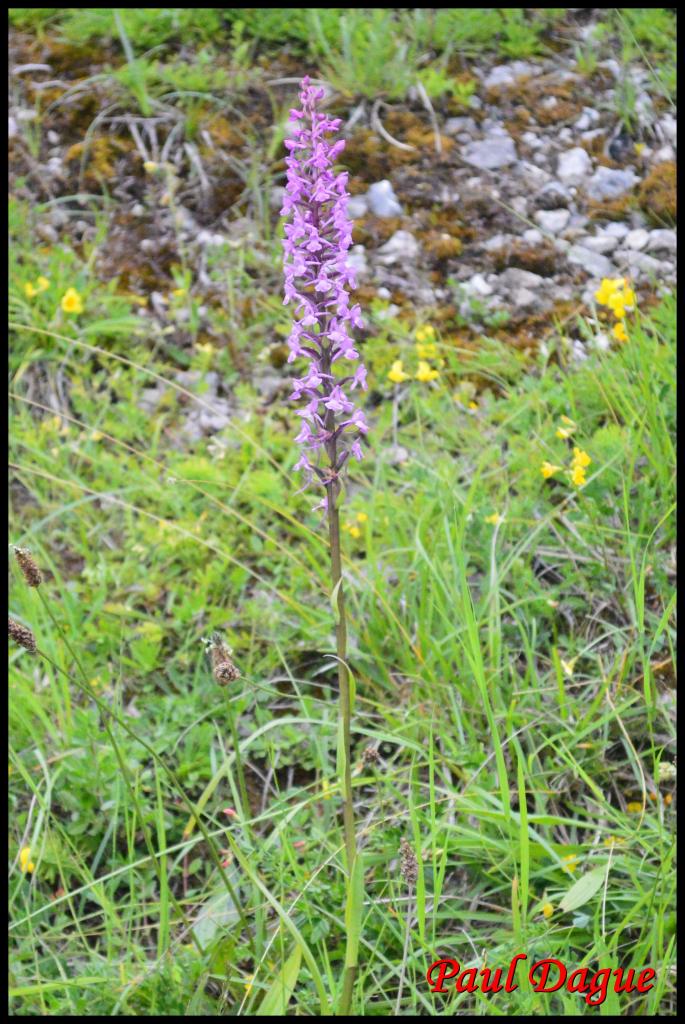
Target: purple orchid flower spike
(317,281)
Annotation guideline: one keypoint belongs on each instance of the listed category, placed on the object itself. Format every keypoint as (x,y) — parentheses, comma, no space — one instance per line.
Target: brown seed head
(222,664)
(409,868)
(22,635)
(29,569)
(370,756)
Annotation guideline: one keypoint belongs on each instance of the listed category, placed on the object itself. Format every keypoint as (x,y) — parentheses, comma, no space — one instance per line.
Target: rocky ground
(498,214)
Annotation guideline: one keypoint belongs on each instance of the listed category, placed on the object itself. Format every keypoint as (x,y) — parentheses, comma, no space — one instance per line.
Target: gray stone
(515,277)
(617,229)
(455,125)
(523,298)
(609,183)
(600,243)
(382,200)
(640,262)
(401,246)
(574,166)
(357,260)
(532,236)
(662,240)
(492,152)
(507,74)
(593,263)
(477,285)
(664,155)
(553,221)
(553,196)
(357,207)
(636,239)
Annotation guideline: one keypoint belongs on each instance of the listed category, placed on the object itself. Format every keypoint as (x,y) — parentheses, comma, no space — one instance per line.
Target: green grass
(512,638)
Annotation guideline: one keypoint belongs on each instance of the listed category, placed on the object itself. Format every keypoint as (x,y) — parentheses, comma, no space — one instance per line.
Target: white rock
(357,260)
(607,183)
(532,236)
(593,263)
(496,150)
(664,155)
(574,166)
(515,277)
(477,285)
(617,229)
(401,246)
(523,298)
(455,125)
(506,74)
(600,243)
(662,240)
(640,261)
(357,207)
(636,239)
(553,221)
(382,200)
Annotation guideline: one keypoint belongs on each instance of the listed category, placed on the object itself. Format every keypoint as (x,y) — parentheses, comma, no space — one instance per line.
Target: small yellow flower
(634,807)
(548,469)
(30,290)
(397,374)
(607,288)
(42,284)
(495,519)
(205,347)
(473,406)
(581,458)
(71,301)
(568,667)
(548,910)
(613,840)
(619,331)
(178,293)
(424,372)
(362,517)
(326,789)
(150,166)
(639,148)
(578,476)
(426,333)
(617,305)
(248,984)
(426,351)
(570,862)
(25,862)
(354,531)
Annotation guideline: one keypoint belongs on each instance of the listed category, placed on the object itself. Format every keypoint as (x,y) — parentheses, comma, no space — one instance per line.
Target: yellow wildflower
(150,166)
(495,519)
(634,807)
(362,517)
(548,469)
(570,862)
(613,840)
(619,331)
(30,290)
(42,284)
(397,374)
(425,373)
(425,333)
(25,862)
(178,293)
(578,476)
(473,406)
(639,148)
(563,432)
(248,984)
(569,666)
(581,458)
(426,351)
(71,301)
(608,287)
(548,910)
(617,305)
(354,531)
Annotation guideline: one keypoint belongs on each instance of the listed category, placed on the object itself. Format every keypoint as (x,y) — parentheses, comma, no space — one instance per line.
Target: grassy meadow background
(174,845)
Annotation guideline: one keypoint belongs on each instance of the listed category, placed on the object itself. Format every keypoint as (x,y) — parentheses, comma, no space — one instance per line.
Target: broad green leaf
(583,890)
(275,1002)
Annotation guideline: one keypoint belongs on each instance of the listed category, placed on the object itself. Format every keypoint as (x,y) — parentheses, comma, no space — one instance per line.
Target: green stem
(333,490)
